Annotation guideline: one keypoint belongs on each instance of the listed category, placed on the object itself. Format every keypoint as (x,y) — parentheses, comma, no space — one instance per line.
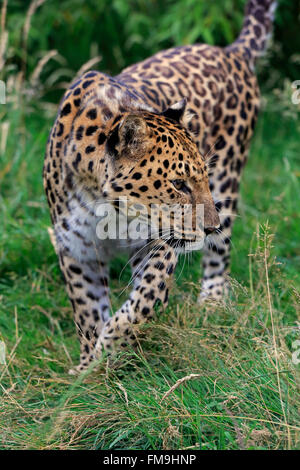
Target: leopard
(173,129)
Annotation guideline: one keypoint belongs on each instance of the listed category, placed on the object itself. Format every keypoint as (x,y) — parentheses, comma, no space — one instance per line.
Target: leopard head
(156,166)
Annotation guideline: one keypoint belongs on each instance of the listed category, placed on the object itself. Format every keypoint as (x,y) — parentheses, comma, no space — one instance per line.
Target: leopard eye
(180,185)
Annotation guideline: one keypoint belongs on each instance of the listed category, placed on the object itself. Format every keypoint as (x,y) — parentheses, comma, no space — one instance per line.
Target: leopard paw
(216,289)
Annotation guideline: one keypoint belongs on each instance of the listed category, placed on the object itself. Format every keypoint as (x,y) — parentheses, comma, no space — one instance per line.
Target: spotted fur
(133,135)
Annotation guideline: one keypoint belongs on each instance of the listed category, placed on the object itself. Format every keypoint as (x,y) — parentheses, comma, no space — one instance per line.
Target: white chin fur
(191,246)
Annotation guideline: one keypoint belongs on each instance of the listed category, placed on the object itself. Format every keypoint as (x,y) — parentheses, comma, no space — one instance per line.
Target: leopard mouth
(185,245)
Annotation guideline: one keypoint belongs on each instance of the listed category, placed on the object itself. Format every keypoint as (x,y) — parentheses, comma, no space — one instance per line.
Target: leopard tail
(256,30)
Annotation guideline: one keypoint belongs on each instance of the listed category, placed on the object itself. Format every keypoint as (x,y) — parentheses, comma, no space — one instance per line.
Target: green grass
(245,394)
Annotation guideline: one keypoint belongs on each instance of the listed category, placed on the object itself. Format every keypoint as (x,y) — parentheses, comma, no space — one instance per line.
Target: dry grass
(244,393)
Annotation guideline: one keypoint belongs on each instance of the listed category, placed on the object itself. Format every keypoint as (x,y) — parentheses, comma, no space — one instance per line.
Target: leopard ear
(176,110)
(133,129)
(129,137)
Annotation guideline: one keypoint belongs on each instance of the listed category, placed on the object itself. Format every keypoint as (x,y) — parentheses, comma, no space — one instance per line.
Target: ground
(244,392)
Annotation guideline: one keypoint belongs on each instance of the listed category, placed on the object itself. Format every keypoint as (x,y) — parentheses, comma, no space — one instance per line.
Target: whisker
(150,256)
(135,254)
(211,148)
(178,277)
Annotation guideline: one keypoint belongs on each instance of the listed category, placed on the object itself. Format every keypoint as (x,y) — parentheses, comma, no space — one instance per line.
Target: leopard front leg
(216,257)
(87,287)
(150,288)
(216,252)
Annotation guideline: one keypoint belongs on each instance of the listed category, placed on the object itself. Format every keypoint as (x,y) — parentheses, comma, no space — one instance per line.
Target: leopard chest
(89,231)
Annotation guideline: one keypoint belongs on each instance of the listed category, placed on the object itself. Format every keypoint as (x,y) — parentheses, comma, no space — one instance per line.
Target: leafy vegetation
(213,377)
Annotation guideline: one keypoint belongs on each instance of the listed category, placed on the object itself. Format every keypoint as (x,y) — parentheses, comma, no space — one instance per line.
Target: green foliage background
(124,32)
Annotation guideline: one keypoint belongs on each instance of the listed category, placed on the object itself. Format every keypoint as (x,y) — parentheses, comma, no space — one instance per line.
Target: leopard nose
(209,230)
